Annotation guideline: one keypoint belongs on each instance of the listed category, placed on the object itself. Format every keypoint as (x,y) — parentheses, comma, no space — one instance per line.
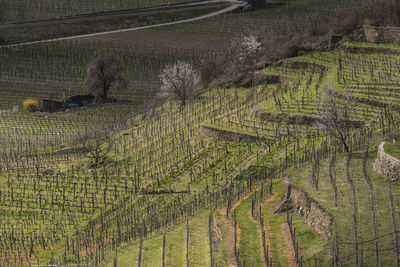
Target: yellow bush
(31,105)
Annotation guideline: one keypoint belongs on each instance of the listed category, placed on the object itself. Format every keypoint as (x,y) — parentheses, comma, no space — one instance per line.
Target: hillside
(184,152)
(241,176)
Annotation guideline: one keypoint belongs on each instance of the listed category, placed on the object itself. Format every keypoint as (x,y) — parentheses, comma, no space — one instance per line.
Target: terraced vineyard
(240,176)
(222,162)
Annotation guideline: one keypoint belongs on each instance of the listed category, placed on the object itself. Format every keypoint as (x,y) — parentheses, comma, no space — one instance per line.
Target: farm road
(234,5)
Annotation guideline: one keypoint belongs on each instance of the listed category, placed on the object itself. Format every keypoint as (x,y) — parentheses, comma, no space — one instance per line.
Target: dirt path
(289,245)
(230,239)
(260,238)
(230,233)
(267,230)
(235,5)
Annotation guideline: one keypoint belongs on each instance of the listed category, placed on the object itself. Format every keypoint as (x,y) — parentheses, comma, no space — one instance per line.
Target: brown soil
(230,238)
(266,225)
(156,39)
(289,245)
(56,29)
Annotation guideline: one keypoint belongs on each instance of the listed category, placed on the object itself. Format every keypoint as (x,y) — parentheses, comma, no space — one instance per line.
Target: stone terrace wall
(382,34)
(224,135)
(386,164)
(297,201)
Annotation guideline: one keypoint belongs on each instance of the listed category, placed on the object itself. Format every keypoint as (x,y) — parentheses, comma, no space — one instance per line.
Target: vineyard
(170,162)
(240,176)
(21,11)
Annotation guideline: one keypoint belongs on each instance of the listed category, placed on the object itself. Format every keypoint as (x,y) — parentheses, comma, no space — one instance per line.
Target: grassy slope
(393,149)
(343,212)
(249,243)
(175,246)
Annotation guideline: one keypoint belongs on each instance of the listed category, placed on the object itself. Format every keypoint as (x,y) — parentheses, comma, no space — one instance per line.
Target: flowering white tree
(179,81)
(248,46)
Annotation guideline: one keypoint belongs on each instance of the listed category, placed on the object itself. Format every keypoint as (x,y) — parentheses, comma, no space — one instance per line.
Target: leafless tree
(179,81)
(381,12)
(104,73)
(335,116)
(97,146)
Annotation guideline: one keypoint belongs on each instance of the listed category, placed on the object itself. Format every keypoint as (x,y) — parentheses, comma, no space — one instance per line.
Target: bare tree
(97,146)
(180,81)
(381,12)
(336,112)
(104,73)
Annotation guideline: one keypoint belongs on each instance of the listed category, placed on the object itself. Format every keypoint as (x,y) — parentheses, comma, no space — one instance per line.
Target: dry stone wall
(225,135)
(297,119)
(283,118)
(303,65)
(382,34)
(386,164)
(297,201)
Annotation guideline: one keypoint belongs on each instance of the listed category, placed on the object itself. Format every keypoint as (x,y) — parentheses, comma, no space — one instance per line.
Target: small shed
(49,105)
(79,100)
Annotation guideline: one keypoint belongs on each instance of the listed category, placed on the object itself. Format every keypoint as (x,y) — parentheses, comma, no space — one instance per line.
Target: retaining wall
(382,34)
(386,164)
(297,201)
(225,135)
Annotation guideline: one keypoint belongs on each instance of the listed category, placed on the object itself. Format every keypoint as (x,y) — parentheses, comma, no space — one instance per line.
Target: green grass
(393,149)
(343,212)
(273,225)
(249,246)
(175,246)
(165,150)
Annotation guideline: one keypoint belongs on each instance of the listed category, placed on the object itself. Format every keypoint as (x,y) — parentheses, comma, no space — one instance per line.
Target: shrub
(31,105)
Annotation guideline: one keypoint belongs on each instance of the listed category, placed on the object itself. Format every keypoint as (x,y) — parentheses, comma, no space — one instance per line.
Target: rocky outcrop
(298,202)
(387,165)
(225,135)
(382,34)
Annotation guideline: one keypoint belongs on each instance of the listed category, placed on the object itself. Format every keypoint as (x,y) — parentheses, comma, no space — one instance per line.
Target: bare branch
(104,73)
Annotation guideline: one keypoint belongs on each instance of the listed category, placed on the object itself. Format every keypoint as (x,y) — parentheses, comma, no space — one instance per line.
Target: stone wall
(298,119)
(263,79)
(225,135)
(297,201)
(386,164)
(303,65)
(284,118)
(382,34)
